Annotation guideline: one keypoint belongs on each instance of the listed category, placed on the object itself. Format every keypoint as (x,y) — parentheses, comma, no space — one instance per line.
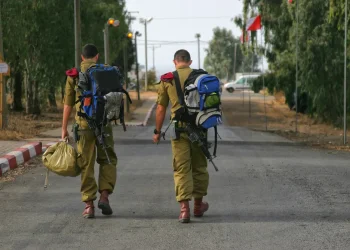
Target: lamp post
(198,36)
(110,22)
(77,32)
(137,66)
(145,21)
(345,68)
(129,36)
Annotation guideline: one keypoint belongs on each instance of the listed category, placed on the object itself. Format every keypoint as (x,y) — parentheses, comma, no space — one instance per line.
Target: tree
(321,47)
(221,54)
(39,44)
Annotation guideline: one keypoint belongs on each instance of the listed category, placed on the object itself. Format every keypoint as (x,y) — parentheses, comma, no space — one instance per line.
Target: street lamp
(345,68)
(110,22)
(128,36)
(137,66)
(234,63)
(145,21)
(198,36)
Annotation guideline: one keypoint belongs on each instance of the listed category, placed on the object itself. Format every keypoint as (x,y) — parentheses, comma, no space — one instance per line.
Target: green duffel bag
(62,159)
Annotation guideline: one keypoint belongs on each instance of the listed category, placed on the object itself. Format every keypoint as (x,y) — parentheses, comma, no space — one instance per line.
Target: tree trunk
(17,92)
(36,102)
(52,99)
(62,91)
(29,94)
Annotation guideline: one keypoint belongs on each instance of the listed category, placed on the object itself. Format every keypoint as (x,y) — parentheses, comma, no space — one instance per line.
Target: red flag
(254,23)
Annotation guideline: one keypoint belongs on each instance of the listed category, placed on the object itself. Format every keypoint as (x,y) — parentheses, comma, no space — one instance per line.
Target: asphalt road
(268,194)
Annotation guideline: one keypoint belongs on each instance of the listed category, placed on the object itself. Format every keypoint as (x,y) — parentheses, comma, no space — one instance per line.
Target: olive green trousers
(190,169)
(89,149)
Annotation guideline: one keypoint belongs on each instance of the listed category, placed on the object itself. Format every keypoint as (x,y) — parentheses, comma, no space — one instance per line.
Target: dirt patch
(22,126)
(281,120)
(11,175)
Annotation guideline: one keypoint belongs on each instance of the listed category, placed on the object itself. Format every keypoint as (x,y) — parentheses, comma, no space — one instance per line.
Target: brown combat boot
(89,211)
(185,212)
(200,207)
(103,203)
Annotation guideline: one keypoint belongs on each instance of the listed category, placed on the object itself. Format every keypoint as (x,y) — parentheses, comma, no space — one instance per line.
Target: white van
(243,82)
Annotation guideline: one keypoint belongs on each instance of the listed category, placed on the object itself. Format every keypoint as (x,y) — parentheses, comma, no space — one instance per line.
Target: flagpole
(345,69)
(296,65)
(263,77)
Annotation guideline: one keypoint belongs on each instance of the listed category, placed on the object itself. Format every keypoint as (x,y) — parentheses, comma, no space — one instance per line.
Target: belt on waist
(85,132)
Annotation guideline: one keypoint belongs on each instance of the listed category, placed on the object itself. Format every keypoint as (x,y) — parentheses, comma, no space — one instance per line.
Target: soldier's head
(182,58)
(90,52)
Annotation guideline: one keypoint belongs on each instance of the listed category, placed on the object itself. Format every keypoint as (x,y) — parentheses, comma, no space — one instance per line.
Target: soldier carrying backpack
(97,94)
(195,107)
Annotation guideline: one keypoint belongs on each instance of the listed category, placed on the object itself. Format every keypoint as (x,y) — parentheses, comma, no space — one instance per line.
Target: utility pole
(110,22)
(296,65)
(198,36)
(153,50)
(234,63)
(3,103)
(145,22)
(106,43)
(137,66)
(126,73)
(345,69)
(77,32)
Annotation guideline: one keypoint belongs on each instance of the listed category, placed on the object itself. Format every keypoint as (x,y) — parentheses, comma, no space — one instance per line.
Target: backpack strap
(216,140)
(180,93)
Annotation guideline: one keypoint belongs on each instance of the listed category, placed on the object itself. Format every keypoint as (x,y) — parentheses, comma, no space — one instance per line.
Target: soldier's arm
(160,116)
(163,102)
(69,100)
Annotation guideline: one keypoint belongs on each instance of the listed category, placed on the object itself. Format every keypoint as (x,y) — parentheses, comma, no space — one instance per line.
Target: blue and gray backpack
(201,100)
(97,83)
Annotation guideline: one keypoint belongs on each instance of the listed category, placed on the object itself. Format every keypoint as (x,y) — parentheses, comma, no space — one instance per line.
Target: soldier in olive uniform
(190,164)
(87,146)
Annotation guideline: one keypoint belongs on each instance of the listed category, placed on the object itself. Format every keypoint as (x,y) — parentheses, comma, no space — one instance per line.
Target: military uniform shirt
(167,90)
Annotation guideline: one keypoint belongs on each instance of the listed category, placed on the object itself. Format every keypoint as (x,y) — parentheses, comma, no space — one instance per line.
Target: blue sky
(178,20)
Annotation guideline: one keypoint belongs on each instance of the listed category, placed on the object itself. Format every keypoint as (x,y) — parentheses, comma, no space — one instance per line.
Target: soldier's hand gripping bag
(62,159)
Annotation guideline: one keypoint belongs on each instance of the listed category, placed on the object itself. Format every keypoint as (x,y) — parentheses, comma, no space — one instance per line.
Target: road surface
(269,194)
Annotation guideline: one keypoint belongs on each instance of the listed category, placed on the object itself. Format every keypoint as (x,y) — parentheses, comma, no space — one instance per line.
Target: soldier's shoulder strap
(73,72)
(180,93)
(168,77)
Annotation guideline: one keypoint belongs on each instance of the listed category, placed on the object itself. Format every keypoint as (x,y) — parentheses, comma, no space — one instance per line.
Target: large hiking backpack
(101,86)
(201,98)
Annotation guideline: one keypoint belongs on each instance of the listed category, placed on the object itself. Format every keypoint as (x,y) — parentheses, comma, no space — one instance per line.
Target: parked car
(244,82)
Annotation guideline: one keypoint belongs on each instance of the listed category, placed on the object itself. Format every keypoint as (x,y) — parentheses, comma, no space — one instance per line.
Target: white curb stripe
(31,148)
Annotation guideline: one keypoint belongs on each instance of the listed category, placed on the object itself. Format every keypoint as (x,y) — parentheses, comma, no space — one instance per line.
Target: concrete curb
(145,121)
(19,156)
(23,154)
(149,113)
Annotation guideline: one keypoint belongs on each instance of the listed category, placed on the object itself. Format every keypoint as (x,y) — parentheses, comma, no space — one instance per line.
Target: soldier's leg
(86,147)
(182,168)
(200,180)
(199,172)
(108,171)
(182,175)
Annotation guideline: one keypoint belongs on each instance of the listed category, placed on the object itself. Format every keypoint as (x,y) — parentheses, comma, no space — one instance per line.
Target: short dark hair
(182,56)
(89,51)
